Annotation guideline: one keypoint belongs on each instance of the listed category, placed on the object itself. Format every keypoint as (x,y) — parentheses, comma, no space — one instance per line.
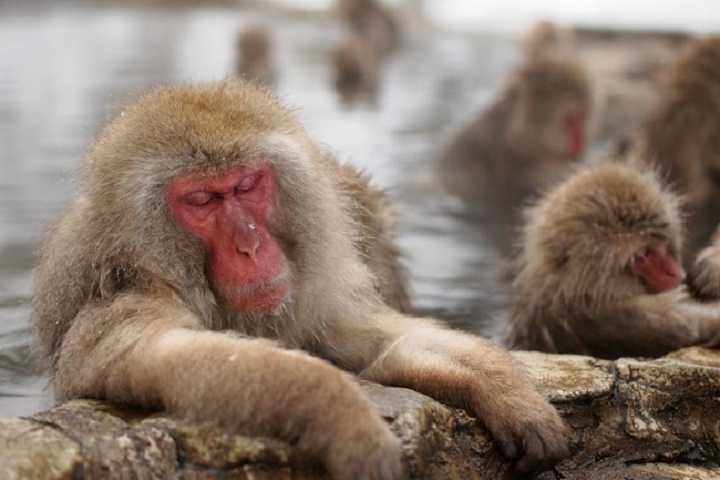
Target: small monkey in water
(600,273)
(208,208)
(374,23)
(526,139)
(356,68)
(254,56)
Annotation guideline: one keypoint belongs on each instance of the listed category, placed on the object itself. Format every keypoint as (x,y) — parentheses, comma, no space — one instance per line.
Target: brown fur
(356,69)
(124,312)
(254,56)
(517,145)
(371,21)
(574,292)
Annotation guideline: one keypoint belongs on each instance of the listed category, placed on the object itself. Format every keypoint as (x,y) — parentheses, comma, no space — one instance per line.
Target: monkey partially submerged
(681,135)
(600,273)
(526,139)
(254,56)
(206,209)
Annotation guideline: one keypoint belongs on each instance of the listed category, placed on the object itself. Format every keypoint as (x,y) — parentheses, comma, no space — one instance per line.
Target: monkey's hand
(526,428)
(358,445)
(704,278)
(470,372)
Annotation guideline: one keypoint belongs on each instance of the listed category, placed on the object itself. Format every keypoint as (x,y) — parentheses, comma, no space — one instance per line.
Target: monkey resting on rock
(210,267)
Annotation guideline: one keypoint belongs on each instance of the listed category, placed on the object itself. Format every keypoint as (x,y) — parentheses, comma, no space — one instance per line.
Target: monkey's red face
(658,268)
(230,214)
(574,126)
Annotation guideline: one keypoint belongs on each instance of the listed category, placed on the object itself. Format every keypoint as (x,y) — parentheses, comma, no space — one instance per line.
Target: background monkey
(682,134)
(356,68)
(527,137)
(254,56)
(371,21)
(599,271)
(207,208)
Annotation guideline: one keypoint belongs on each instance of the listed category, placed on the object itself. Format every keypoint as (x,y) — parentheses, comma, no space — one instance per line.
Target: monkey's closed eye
(199,199)
(248,183)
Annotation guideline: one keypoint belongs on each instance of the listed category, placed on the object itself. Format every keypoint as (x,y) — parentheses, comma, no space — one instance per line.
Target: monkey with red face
(526,139)
(600,273)
(206,209)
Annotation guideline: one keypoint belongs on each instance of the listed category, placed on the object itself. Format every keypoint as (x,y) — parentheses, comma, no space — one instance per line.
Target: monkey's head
(612,227)
(217,186)
(551,106)
(254,45)
(355,67)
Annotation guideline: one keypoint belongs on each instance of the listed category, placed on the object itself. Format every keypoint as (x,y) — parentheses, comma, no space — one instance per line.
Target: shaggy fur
(575,293)
(124,311)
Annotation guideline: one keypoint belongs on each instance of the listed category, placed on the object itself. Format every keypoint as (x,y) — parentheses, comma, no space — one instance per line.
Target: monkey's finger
(534,454)
(506,444)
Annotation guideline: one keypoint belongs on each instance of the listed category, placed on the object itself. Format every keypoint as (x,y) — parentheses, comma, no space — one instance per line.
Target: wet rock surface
(631,419)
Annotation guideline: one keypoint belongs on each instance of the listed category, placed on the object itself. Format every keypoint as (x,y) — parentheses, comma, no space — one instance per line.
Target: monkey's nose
(247,241)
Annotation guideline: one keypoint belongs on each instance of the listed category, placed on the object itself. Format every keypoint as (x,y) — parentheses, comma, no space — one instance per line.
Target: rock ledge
(631,419)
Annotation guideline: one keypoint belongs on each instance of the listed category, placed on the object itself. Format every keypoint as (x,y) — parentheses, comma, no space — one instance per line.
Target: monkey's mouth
(263,296)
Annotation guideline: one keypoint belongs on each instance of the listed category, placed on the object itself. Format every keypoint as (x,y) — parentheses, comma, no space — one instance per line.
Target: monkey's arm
(156,354)
(649,326)
(705,273)
(458,369)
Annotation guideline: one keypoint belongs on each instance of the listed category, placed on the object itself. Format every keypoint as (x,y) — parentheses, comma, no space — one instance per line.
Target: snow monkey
(212,267)
(528,137)
(600,273)
(254,56)
(682,135)
(370,20)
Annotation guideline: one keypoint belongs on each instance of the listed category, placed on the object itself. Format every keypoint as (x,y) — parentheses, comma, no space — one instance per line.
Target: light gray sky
(691,15)
(514,15)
